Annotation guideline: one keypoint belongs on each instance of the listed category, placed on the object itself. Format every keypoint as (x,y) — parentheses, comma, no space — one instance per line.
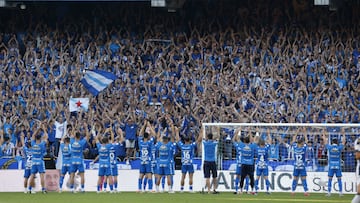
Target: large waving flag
(97,80)
(77,104)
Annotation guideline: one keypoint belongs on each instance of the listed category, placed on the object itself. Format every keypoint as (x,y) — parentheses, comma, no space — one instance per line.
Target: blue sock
(61,182)
(163,182)
(236,184)
(150,183)
(115,185)
(82,186)
(329,185)
(340,185)
(294,184)
(43,189)
(247,183)
(30,188)
(72,186)
(304,182)
(172,180)
(111,187)
(139,183)
(256,185)
(190,187)
(105,185)
(181,188)
(145,183)
(98,188)
(267,182)
(156,180)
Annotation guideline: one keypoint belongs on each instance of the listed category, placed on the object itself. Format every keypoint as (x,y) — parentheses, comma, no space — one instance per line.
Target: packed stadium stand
(209,61)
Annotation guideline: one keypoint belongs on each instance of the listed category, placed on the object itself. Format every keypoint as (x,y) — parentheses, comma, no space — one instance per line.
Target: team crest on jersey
(334,150)
(163,147)
(247,147)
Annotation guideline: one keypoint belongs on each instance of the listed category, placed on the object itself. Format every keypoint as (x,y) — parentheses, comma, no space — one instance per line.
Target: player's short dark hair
(261,142)
(335,141)
(210,136)
(247,139)
(67,139)
(38,137)
(146,135)
(105,140)
(77,135)
(187,139)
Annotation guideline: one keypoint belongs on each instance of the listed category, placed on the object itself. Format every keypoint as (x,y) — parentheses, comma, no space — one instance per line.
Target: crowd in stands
(213,61)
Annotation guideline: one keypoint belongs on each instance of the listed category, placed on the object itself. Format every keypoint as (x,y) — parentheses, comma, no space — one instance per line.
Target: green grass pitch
(132,197)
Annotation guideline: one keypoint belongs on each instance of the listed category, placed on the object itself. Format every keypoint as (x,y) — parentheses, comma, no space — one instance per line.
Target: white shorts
(129,143)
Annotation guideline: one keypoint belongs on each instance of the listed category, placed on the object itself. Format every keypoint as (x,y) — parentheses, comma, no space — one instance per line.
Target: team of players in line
(157,158)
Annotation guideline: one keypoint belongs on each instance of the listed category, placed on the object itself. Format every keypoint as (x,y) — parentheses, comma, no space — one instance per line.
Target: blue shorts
(187,168)
(38,168)
(262,171)
(299,172)
(77,167)
(332,172)
(153,168)
(104,171)
(164,171)
(114,171)
(238,170)
(145,168)
(27,173)
(65,169)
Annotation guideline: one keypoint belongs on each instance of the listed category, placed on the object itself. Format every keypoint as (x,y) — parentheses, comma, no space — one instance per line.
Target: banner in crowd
(78,104)
(96,81)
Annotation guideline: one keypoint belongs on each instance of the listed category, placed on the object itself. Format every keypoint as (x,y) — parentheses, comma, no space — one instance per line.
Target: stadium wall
(12,181)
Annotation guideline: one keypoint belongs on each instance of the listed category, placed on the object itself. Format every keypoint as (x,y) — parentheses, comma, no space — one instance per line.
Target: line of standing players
(72,154)
(252,155)
(157,159)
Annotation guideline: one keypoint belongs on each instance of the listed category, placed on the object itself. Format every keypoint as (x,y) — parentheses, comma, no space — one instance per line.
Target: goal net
(280,139)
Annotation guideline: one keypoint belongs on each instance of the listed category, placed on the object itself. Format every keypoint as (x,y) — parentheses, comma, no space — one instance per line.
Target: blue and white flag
(77,104)
(97,80)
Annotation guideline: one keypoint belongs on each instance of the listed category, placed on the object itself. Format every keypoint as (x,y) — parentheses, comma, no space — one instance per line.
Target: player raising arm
(77,144)
(66,159)
(104,158)
(187,149)
(145,141)
(38,149)
(248,148)
(210,147)
(299,150)
(164,150)
(334,153)
(28,163)
(262,162)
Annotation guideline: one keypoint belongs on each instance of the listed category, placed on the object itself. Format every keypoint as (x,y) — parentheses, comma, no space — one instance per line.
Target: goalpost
(280,138)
